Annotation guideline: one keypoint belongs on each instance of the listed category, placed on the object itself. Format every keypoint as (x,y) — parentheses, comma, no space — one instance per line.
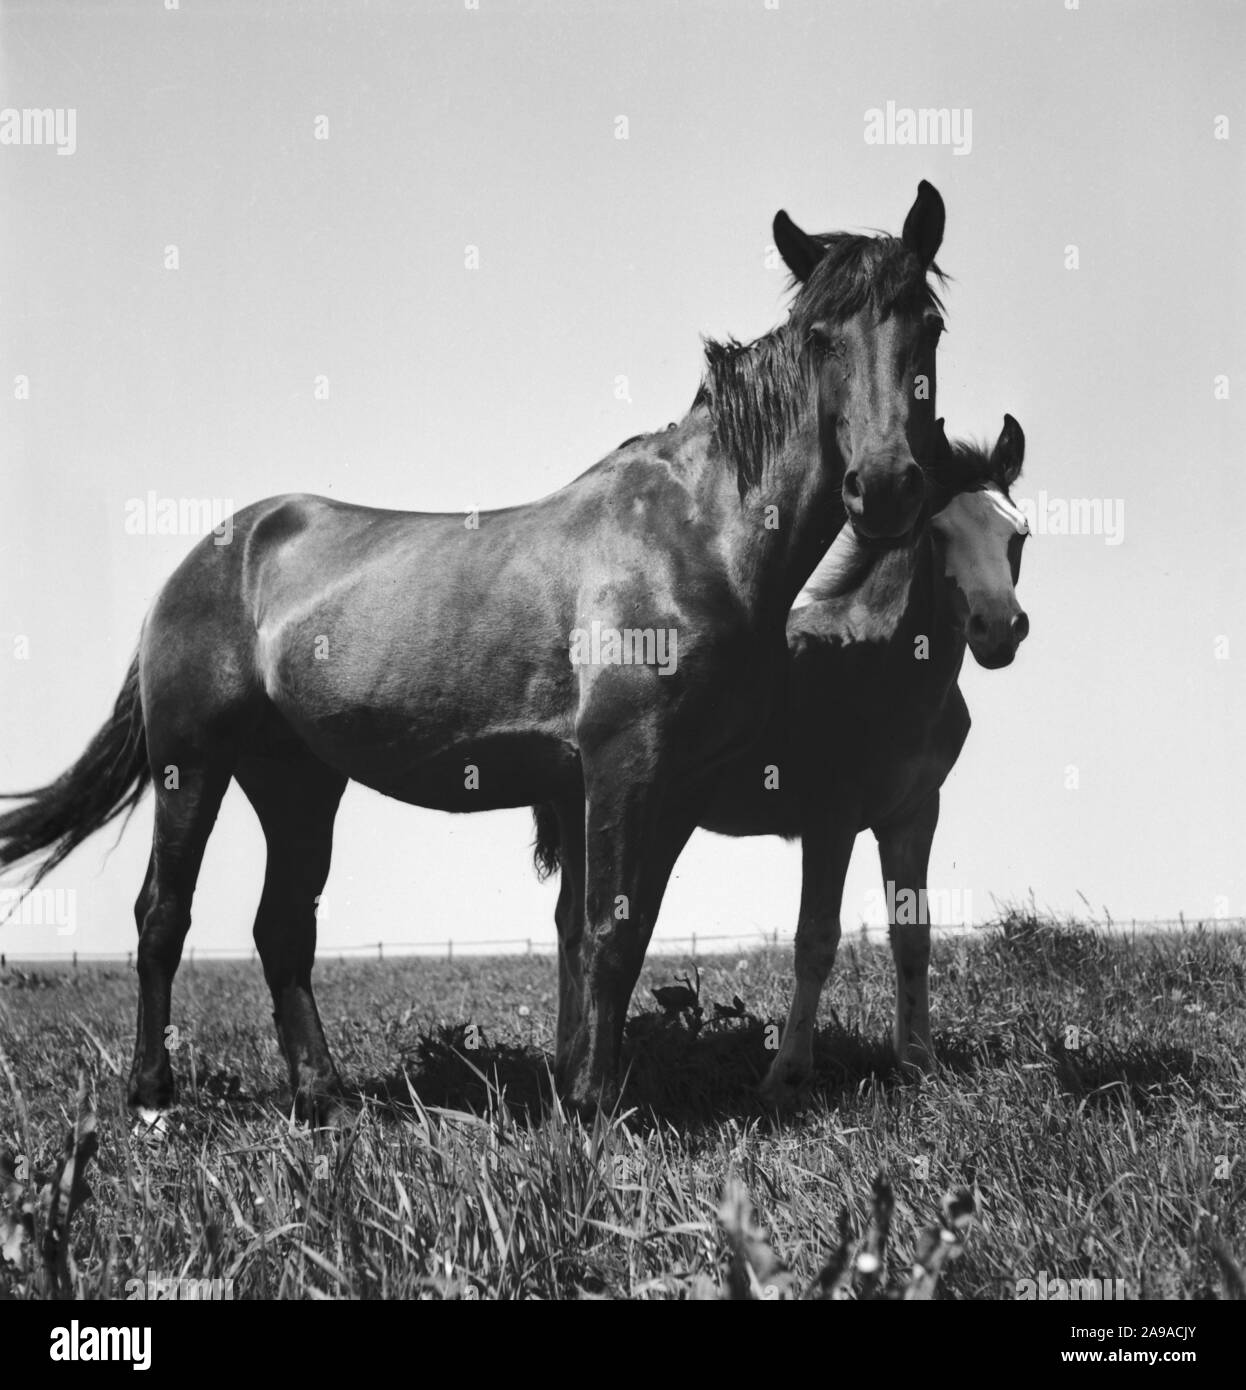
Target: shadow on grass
(1144,1074)
(457,1069)
(686,1078)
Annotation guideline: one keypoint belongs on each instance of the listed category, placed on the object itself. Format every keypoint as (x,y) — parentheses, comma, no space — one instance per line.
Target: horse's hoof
(916,1063)
(332,1112)
(784,1092)
(586,1101)
(151,1126)
(322,1107)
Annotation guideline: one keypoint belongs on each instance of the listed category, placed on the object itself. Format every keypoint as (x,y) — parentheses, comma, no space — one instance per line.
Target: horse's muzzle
(883,503)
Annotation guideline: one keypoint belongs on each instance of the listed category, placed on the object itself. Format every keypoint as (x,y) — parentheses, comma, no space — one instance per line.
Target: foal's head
(866,314)
(978,534)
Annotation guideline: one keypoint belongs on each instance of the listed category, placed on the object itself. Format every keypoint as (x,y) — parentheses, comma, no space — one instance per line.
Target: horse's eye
(825,341)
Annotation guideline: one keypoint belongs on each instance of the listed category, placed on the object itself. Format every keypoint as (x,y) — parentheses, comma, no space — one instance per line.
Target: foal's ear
(940,435)
(923,227)
(1009,452)
(800,251)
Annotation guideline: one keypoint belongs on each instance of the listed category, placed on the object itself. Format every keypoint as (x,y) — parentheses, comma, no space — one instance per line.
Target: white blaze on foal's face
(980,536)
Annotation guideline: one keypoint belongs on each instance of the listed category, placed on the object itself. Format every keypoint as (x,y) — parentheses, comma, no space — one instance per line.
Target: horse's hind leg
(185,814)
(296,800)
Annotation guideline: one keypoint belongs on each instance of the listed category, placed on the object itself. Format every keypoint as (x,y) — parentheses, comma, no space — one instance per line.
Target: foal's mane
(755,392)
(965,465)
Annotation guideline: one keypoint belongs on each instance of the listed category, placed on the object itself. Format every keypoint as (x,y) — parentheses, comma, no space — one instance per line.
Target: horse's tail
(545,846)
(109,778)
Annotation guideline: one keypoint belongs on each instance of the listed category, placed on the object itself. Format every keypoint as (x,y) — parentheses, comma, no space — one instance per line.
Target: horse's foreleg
(296,801)
(826,848)
(904,852)
(634,836)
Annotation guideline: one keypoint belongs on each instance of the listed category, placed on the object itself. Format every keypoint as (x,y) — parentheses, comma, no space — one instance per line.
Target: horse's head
(868,315)
(978,537)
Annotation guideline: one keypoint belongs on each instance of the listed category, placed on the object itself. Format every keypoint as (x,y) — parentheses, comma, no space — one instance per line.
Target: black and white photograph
(621,664)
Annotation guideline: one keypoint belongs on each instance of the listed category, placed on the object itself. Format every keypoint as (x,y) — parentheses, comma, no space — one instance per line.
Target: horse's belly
(483,774)
(461,729)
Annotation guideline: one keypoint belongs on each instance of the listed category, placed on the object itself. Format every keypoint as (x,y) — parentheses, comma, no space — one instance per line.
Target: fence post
(75,962)
(380,951)
(450,949)
(694,945)
(529,945)
(129,960)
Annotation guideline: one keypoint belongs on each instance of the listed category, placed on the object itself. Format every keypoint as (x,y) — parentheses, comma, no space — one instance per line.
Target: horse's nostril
(1020,628)
(977,627)
(852,484)
(912,480)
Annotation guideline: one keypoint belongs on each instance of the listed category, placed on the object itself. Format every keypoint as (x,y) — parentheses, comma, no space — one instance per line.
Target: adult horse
(876,642)
(442,663)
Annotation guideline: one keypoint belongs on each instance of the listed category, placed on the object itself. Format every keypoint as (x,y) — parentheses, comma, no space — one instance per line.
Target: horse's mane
(756,392)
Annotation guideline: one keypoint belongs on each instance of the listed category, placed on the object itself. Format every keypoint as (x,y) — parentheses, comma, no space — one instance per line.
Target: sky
(438,256)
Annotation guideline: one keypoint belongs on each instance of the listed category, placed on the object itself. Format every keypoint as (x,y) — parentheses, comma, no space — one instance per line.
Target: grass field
(1091,1097)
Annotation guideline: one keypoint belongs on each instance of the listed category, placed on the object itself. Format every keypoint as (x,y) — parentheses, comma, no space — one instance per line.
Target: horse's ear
(1009,452)
(923,227)
(799,250)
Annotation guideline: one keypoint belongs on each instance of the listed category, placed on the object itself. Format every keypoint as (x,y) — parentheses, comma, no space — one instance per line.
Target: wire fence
(691,945)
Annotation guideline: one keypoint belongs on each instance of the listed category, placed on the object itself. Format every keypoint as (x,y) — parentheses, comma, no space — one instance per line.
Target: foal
(875,641)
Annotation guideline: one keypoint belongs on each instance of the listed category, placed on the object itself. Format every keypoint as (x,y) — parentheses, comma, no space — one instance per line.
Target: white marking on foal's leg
(910,946)
(912,1030)
(816,944)
(793,1062)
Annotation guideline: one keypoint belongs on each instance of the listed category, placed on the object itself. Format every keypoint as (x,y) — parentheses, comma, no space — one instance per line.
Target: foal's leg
(569,917)
(904,851)
(634,837)
(826,848)
(296,801)
(185,814)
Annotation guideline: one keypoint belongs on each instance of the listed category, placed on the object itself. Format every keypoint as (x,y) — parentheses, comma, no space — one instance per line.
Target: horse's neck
(773,536)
